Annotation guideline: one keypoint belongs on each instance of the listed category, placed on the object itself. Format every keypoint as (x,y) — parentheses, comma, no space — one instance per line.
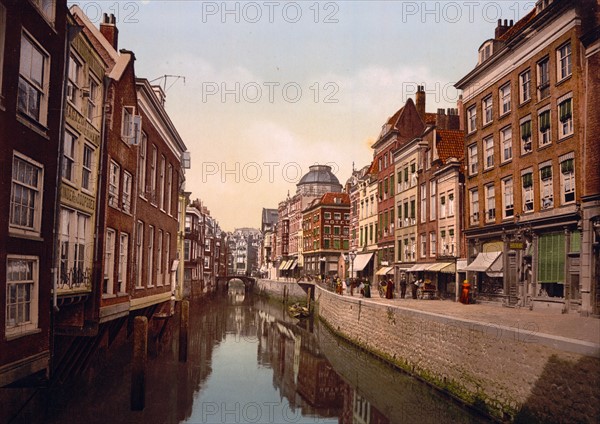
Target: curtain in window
(525,130)
(544,121)
(551,258)
(546,172)
(567,166)
(565,110)
(527,180)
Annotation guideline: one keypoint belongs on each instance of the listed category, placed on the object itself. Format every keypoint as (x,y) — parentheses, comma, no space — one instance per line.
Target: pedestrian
(414,288)
(389,289)
(464,296)
(402,287)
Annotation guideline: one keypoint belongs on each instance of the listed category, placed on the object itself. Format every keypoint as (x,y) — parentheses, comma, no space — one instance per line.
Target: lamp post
(352,256)
(322,260)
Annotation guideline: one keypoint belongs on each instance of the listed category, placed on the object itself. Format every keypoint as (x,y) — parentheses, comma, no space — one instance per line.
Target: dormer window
(485,51)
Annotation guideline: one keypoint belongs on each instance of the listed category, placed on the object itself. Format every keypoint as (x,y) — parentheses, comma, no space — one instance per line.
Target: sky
(259,91)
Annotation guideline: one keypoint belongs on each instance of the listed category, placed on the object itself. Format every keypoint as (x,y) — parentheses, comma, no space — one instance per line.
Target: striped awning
(384,270)
(419,267)
(283,265)
(438,266)
(483,261)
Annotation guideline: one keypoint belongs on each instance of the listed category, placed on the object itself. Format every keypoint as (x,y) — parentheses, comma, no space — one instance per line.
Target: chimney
(502,28)
(160,94)
(109,30)
(459,107)
(420,101)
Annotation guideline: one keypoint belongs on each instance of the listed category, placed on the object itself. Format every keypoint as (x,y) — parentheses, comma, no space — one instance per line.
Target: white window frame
(87,167)
(564,66)
(504,94)
(528,193)
(487,106)
(526,143)
(433,200)
(423,245)
(567,180)
(35,197)
(127,114)
(75,240)
(139,242)
(93,98)
(525,86)
(108,282)
(161,183)
(114,173)
(21,328)
(546,187)
(545,137)
(450,204)
(30,84)
(471,119)
(423,202)
(74,81)
(159,258)
(508,198)
(488,145)
(565,128)
(153,170)
(70,142)
(543,78)
(167,258)
(490,203)
(506,143)
(473,159)
(46,8)
(150,257)
(142,163)
(432,244)
(474,205)
(169,188)
(123,262)
(2,42)
(126,192)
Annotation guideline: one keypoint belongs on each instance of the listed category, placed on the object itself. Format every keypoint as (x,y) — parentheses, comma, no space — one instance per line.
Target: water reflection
(248,361)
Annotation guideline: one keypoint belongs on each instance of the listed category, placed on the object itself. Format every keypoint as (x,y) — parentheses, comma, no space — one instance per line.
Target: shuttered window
(551,258)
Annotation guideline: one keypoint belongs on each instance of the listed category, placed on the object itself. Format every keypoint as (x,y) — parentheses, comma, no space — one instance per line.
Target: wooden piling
(138,368)
(308,298)
(184,323)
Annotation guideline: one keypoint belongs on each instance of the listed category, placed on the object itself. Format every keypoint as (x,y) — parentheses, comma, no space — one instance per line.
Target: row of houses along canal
(247,361)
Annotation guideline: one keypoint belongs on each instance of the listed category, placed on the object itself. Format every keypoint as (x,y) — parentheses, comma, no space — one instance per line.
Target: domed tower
(318,181)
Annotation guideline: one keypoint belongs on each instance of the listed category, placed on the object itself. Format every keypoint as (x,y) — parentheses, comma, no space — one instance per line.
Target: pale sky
(273,87)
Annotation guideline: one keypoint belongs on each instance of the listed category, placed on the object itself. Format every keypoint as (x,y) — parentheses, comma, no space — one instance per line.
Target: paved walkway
(569,326)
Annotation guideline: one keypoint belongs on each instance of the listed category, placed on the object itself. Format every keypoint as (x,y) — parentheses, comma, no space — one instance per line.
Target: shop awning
(293,264)
(438,266)
(283,265)
(461,265)
(483,261)
(450,269)
(419,267)
(384,270)
(495,269)
(361,261)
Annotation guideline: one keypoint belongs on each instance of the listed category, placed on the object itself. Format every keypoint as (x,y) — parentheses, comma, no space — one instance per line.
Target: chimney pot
(511,22)
(506,22)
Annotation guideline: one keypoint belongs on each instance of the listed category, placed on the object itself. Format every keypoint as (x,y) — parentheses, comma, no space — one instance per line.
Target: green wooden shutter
(551,258)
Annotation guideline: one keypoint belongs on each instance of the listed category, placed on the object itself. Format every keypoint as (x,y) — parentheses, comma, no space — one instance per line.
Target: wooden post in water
(184,322)
(138,368)
(308,298)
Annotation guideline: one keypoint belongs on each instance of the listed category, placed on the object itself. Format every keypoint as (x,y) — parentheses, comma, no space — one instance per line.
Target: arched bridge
(223,281)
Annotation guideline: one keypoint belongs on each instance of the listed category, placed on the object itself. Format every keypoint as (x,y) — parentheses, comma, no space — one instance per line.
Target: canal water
(249,362)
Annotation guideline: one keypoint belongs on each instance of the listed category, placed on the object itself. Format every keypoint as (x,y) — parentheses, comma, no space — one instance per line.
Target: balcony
(74,280)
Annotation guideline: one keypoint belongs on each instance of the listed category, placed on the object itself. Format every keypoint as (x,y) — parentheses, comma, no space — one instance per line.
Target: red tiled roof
(517,27)
(450,144)
(430,118)
(374,168)
(329,199)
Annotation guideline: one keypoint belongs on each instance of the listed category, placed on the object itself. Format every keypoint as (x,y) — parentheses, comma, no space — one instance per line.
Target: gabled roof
(329,199)
(450,144)
(518,26)
(406,122)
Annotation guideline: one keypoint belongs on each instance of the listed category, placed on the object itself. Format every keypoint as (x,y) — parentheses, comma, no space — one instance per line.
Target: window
(507,189)
(86,167)
(161,184)
(487,110)
(450,204)
(525,86)
(442,206)
(74,82)
(187,249)
(488,145)
(69,156)
(326,229)
(167,256)
(563,56)
(347,216)
(22,285)
(113,184)
(109,262)
(326,215)
(506,140)
(451,237)
(544,128)
(567,176)
(92,102)
(433,204)
(471,119)
(123,258)
(142,165)
(26,195)
(127,130)
(547,188)
(432,244)
(473,164)
(423,191)
(150,261)
(490,203)
(169,188)
(75,239)
(32,98)
(46,7)
(139,245)
(126,194)
(504,94)
(551,265)
(159,259)
(527,182)
(423,245)
(325,244)
(526,135)
(474,205)
(565,116)
(337,216)
(153,174)
(543,78)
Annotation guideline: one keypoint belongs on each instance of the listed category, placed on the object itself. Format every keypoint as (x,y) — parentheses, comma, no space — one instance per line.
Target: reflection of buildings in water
(236,292)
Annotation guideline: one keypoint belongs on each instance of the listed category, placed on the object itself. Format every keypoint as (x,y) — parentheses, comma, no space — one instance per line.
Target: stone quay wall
(278,288)
(507,373)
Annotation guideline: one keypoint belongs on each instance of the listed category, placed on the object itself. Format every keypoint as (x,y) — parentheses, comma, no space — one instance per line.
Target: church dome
(319,174)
